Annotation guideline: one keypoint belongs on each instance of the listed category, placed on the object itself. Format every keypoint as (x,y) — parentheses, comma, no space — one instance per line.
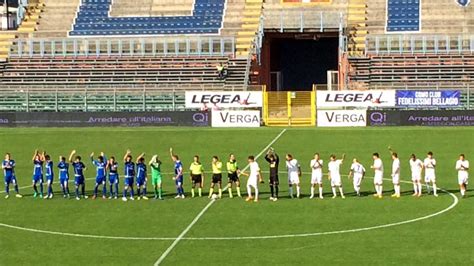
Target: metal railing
(419,44)
(96,99)
(301,19)
(204,46)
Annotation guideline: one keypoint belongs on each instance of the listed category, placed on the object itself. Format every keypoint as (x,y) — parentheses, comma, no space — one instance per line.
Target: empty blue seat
(403,15)
(93,19)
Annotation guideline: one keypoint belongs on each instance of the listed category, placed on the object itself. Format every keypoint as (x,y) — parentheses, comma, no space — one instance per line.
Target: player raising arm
(294,174)
(178,175)
(155,165)
(216,176)
(395,173)
(101,174)
(462,166)
(112,166)
(334,174)
(197,175)
(38,160)
(63,167)
(79,180)
(129,172)
(49,176)
(254,177)
(273,160)
(416,167)
(233,176)
(430,176)
(316,175)
(141,177)
(8,166)
(357,173)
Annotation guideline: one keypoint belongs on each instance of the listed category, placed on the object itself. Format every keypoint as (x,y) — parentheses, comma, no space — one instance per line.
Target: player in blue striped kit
(63,167)
(8,166)
(38,160)
(141,177)
(178,175)
(129,170)
(101,174)
(49,173)
(112,167)
(79,179)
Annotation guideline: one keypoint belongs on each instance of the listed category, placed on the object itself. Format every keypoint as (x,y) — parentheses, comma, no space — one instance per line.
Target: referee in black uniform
(273,160)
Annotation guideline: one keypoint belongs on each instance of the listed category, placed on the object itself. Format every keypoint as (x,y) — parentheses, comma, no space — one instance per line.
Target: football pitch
(198,231)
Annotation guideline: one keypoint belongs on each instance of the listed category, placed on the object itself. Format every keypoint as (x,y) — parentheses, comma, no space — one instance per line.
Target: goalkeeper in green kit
(155,165)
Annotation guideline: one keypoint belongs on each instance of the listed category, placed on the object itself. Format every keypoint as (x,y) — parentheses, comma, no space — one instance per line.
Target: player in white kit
(357,173)
(462,166)
(395,173)
(316,175)
(294,173)
(334,175)
(430,176)
(378,175)
(255,177)
(416,167)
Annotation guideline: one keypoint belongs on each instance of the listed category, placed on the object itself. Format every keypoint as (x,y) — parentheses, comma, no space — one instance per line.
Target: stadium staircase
(251,20)
(33,13)
(356,23)
(6,38)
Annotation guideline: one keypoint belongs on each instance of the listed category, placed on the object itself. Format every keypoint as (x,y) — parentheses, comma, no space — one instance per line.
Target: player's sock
(341,192)
(124,193)
(320,191)
(138,191)
(238,192)
(116,189)
(50,190)
(131,192)
(419,188)
(256,194)
(67,190)
(35,188)
(144,191)
(7,189)
(312,191)
(272,190)
(297,191)
(462,192)
(249,191)
(159,193)
(192,192)
(96,187)
(83,189)
(290,191)
(334,191)
(211,191)
(415,188)
(104,190)
(41,188)
(220,192)
(428,188)
(276,191)
(77,192)
(230,192)
(16,189)
(200,192)
(435,189)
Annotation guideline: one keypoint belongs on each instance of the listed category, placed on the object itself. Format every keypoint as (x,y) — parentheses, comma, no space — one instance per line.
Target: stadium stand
(403,15)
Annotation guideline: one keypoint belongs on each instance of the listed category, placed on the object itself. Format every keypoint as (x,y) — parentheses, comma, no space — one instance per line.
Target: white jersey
(334,172)
(416,167)
(429,165)
(396,167)
(462,168)
(253,176)
(316,168)
(358,170)
(293,171)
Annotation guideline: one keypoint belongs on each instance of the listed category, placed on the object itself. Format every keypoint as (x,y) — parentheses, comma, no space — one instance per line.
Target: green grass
(446,239)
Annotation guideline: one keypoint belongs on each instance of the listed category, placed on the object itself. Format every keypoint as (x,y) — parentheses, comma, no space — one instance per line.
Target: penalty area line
(200,214)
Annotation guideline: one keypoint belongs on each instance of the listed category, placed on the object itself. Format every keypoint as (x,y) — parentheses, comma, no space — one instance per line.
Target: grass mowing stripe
(186,230)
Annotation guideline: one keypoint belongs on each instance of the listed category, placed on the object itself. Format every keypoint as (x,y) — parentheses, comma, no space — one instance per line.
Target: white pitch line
(186,230)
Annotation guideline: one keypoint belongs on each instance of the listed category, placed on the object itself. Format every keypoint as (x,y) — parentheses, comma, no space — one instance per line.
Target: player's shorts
(49,178)
(113,179)
(294,178)
(252,181)
(100,179)
(396,178)
(356,180)
(463,178)
(232,177)
(316,178)
(10,179)
(216,178)
(128,181)
(79,180)
(156,179)
(415,177)
(196,179)
(430,176)
(38,178)
(179,181)
(63,180)
(274,180)
(336,180)
(141,181)
(378,178)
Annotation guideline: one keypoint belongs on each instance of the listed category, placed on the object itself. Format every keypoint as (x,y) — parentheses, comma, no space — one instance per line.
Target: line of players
(137,171)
